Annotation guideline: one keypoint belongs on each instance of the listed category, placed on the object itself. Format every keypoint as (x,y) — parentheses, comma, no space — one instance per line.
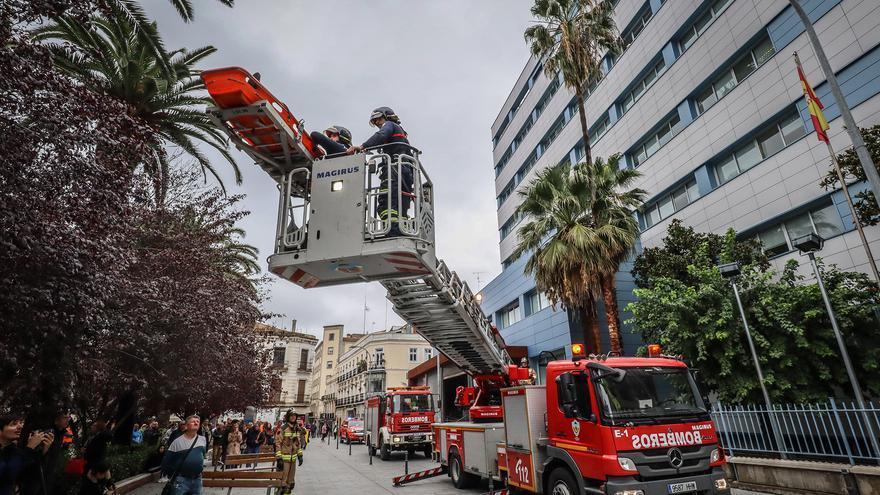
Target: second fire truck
(400,420)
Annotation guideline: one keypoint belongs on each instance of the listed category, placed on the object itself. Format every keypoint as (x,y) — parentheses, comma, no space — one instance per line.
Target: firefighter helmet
(344,133)
(384,112)
(288,414)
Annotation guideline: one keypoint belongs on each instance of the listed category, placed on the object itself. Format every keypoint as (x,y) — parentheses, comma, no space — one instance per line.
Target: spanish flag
(814,106)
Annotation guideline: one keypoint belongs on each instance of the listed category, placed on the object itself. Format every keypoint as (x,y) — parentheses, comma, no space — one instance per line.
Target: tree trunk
(588,154)
(590,326)
(609,297)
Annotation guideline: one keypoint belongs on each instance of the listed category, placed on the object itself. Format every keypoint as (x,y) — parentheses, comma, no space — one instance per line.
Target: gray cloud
(444,66)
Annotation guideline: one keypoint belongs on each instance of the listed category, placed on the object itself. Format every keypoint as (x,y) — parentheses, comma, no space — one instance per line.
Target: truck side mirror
(565,387)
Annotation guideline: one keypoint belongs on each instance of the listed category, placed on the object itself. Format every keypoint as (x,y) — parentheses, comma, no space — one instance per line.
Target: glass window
(666,207)
(641,155)
(724,84)
(702,22)
(331,336)
(774,241)
(330,350)
(652,145)
(727,169)
(688,38)
(663,135)
(652,216)
(693,192)
(413,354)
(770,141)
(278,355)
(638,90)
(706,99)
(827,222)
(748,156)
(799,226)
(719,5)
(743,67)
(792,128)
(680,198)
(429,353)
(764,51)
(329,365)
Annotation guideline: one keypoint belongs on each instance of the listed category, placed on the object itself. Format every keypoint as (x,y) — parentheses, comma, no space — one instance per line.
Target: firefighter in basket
(289,453)
(394,141)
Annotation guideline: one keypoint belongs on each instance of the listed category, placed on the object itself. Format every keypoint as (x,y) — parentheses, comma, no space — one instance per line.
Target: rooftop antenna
(479,285)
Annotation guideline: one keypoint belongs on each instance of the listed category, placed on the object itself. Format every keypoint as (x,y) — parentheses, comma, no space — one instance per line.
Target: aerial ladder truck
(601,424)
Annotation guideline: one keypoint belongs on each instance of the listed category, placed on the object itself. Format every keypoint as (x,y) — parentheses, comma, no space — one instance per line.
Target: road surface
(328,471)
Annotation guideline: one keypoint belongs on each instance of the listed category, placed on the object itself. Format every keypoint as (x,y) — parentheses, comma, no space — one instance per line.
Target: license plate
(418,438)
(687,486)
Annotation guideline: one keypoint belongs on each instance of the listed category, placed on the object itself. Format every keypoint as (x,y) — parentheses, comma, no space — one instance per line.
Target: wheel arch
(560,458)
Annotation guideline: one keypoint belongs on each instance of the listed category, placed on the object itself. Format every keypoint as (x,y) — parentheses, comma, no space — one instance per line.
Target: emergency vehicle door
(579,433)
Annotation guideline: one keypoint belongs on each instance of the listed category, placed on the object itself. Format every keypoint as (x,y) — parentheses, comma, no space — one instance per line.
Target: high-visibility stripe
(398,135)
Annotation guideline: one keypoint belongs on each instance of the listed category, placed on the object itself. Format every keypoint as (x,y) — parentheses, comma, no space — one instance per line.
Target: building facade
(292,355)
(375,362)
(323,379)
(706,103)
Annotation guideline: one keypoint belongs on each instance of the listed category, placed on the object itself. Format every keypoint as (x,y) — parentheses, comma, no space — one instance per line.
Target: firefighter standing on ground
(393,140)
(289,451)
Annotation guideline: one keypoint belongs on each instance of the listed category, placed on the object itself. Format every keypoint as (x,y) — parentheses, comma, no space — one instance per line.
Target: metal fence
(834,431)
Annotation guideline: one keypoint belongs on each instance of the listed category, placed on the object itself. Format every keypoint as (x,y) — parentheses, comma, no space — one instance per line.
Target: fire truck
(400,420)
(601,424)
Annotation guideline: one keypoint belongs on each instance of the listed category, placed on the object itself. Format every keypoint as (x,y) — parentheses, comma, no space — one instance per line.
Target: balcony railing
(350,400)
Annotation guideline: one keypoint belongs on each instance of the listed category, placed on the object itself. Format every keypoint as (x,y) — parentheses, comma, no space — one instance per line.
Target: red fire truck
(610,425)
(399,420)
(621,426)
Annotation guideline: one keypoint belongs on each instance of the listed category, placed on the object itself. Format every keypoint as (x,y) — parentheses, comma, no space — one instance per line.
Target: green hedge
(123,461)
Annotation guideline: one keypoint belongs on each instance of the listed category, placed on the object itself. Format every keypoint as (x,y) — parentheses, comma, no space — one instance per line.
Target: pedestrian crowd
(51,461)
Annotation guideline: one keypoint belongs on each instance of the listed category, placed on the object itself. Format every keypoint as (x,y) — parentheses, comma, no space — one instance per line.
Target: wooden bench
(234,478)
(242,459)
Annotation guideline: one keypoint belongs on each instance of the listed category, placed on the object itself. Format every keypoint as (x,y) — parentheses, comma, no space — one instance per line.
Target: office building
(705,101)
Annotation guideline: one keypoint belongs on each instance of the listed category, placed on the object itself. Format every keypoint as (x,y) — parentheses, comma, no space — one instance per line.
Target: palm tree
(145,29)
(109,57)
(580,228)
(572,36)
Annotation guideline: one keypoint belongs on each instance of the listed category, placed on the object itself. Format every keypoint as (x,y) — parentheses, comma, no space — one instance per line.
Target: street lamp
(731,271)
(809,244)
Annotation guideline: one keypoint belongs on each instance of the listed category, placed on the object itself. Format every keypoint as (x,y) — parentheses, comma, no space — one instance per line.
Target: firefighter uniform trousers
(289,451)
(393,212)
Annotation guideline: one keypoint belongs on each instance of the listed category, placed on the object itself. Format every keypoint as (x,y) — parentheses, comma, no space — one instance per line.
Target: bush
(123,461)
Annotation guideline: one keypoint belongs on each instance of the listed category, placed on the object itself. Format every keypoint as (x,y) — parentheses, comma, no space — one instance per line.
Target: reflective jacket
(289,446)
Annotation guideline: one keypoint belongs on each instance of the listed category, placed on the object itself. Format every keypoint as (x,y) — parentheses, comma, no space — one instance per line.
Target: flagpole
(852,209)
(849,123)
(821,125)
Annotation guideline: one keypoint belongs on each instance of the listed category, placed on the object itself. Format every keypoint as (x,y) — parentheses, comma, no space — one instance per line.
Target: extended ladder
(444,312)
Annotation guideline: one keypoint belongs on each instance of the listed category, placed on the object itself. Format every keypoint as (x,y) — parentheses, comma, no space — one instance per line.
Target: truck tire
(427,451)
(384,451)
(460,478)
(561,482)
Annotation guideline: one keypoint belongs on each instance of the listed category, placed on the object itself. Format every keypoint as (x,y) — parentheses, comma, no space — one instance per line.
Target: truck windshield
(413,403)
(651,395)
(356,423)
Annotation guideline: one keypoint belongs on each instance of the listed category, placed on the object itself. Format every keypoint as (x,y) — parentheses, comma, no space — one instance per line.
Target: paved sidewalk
(328,471)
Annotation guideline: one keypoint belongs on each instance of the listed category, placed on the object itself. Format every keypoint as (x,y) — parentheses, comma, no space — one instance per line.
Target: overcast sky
(445,67)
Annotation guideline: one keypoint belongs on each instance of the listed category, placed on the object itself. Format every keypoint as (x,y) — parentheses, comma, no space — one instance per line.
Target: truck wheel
(384,451)
(427,451)
(561,482)
(460,478)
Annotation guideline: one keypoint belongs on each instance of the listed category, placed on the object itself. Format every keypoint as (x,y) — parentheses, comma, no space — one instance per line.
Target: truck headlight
(430,437)
(721,484)
(395,439)
(627,464)
(716,456)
